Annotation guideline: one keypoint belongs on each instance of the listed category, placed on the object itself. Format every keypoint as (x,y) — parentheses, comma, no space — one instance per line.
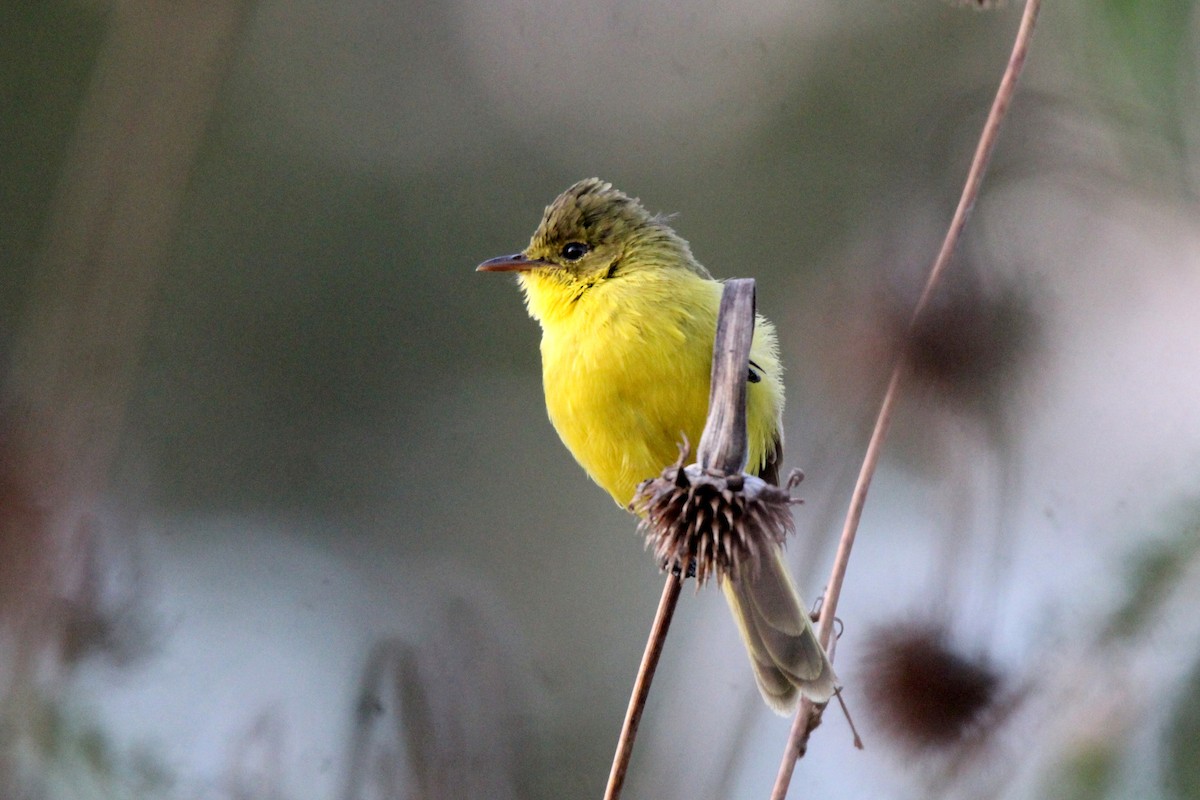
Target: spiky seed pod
(708,523)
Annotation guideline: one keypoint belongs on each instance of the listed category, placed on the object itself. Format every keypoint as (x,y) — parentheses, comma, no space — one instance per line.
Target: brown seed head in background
(923,693)
(973,343)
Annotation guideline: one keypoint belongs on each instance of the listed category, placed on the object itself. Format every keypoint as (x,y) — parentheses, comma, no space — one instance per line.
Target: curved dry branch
(809,715)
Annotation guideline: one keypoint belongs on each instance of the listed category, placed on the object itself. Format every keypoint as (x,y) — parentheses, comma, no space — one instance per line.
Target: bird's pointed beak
(517,262)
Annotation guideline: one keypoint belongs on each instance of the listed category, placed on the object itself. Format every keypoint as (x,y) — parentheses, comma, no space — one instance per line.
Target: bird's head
(591,234)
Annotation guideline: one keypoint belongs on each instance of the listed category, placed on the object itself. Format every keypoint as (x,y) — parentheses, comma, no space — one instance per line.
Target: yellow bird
(628,320)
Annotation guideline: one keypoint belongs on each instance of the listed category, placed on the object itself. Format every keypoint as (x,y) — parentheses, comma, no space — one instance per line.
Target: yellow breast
(626,370)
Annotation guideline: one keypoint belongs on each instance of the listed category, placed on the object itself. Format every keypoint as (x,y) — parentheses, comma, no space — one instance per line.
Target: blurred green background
(282,513)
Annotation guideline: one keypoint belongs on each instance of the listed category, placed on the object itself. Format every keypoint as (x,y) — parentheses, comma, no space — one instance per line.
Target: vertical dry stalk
(641,685)
(723,444)
(75,356)
(808,715)
(722,447)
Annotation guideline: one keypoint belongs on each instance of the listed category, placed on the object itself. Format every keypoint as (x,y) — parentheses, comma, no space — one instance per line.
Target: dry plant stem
(73,362)
(641,686)
(808,714)
(109,232)
(722,447)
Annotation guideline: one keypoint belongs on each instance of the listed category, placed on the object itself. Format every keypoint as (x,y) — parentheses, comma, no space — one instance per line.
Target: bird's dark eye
(573,251)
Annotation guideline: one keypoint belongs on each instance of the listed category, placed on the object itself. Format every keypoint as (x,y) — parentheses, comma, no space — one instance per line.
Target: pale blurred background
(282,515)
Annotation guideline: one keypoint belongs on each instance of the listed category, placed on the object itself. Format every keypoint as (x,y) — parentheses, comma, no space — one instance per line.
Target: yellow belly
(626,377)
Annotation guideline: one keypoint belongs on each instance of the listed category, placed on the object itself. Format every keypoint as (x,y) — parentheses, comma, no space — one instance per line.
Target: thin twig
(808,715)
(641,686)
(722,447)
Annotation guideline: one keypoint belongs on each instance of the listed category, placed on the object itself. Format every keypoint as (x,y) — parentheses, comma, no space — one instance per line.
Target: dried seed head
(924,693)
(974,342)
(707,523)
